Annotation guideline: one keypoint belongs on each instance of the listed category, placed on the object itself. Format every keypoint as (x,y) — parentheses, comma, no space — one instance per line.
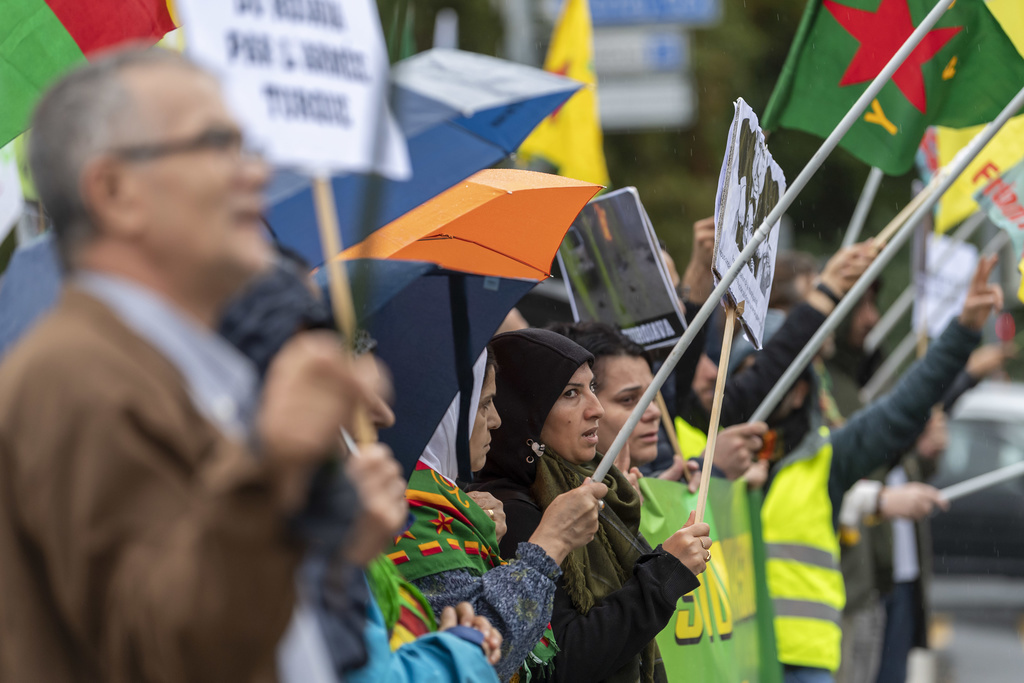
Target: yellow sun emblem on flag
(443,523)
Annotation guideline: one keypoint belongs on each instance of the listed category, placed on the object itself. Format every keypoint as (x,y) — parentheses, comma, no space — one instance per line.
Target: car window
(979,446)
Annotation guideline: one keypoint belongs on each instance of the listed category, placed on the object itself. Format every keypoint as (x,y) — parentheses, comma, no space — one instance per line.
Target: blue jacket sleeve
(433,658)
(883,431)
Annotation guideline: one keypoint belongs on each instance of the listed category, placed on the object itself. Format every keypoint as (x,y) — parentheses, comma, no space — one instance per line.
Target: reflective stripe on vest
(691,440)
(802,551)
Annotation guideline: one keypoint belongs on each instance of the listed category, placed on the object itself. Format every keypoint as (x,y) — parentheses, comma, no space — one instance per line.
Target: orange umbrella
(499,222)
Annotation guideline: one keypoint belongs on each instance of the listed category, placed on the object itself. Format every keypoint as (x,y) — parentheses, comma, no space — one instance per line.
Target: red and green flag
(42,39)
(962,74)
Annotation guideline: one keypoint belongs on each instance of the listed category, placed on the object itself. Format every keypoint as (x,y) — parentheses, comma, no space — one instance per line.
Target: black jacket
(744,391)
(533,369)
(609,636)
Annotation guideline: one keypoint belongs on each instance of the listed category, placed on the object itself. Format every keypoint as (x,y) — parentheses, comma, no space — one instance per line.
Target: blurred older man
(143,487)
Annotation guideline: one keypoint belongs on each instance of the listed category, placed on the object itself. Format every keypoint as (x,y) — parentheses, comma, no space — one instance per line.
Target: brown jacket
(137,543)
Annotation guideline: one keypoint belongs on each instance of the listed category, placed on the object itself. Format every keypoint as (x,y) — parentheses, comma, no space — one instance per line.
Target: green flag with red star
(962,74)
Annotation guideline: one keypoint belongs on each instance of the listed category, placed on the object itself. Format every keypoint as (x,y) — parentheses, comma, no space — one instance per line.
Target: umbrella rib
(443,236)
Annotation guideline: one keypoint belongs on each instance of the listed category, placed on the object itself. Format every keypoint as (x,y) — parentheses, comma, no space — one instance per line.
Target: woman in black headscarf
(616,593)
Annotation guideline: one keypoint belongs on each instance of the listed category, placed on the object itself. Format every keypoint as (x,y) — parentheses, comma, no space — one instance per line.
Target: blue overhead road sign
(691,12)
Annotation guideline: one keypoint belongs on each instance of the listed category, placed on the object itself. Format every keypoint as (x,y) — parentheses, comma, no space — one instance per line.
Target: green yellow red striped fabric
(449,531)
(42,39)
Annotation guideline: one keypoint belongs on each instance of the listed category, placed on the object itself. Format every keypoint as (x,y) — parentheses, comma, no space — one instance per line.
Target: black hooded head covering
(534,367)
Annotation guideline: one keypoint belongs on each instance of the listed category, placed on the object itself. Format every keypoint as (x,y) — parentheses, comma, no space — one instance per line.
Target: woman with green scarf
(450,553)
(615,593)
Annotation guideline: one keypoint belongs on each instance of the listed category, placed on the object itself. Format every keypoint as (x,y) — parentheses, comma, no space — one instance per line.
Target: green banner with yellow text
(723,630)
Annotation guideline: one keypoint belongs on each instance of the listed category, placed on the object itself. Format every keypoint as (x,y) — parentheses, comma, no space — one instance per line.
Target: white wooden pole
(946,176)
(759,236)
(860,213)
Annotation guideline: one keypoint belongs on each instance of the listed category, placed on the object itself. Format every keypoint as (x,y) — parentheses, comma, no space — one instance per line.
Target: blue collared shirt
(220,379)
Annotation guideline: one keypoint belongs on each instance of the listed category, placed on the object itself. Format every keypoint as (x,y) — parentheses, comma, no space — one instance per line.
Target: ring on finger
(707,555)
(490,513)
(600,505)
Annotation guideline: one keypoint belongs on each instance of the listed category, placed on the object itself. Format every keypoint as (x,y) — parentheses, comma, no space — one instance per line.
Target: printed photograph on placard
(614,273)
(749,187)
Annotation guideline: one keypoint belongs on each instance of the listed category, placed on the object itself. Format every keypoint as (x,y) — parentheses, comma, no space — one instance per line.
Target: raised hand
(378,480)
(695,473)
(312,388)
(691,545)
(910,501)
(632,474)
(847,265)
(737,446)
(988,359)
(463,615)
(756,475)
(982,297)
(570,521)
(494,509)
(935,437)
(676,469)
(698,276)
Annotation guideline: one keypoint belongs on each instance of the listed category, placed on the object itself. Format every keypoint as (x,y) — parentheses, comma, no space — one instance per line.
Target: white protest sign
(307,78)
(749,187)
(942,285)
(11,201)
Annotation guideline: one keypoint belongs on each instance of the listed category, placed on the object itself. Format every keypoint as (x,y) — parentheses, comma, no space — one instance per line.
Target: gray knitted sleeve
(516,598)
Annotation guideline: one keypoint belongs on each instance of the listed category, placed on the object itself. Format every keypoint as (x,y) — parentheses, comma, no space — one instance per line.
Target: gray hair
(81,116)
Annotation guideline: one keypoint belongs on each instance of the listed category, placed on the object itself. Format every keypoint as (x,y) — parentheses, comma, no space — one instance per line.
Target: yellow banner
(1005,149)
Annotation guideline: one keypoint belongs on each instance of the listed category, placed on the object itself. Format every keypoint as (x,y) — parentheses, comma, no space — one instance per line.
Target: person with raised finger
(886,562)
(615,593)
(812,466)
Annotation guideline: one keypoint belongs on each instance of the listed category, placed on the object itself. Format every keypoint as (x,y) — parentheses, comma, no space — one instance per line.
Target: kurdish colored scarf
(602,566)
(450,531)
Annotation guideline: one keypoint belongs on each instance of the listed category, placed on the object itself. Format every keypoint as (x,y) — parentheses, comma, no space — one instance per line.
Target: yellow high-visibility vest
(802,547)
(692,441)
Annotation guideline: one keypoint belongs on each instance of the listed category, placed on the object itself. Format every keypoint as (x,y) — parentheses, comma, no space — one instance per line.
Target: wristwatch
(821,287)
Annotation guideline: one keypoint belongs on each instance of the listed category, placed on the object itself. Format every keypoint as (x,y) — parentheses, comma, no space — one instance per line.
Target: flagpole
(945,177)
(982,481)
(873,387)
(731,312)
(867,198)
(761,233)
(902,305)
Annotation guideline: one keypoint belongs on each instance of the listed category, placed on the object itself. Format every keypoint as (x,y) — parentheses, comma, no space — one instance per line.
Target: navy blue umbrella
(461,113)
(29,288)
(429,324)
(429,334)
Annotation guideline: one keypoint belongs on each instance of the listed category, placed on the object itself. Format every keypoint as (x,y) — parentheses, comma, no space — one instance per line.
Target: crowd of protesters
(176,503)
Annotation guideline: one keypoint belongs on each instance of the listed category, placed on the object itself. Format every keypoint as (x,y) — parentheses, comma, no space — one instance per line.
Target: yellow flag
(570,138)
(1020,292)
(1002,152)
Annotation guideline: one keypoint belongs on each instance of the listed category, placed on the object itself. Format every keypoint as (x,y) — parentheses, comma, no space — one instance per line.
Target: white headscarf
(439,455)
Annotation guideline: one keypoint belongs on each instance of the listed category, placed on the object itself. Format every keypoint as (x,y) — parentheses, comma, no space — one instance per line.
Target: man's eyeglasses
(227,140)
